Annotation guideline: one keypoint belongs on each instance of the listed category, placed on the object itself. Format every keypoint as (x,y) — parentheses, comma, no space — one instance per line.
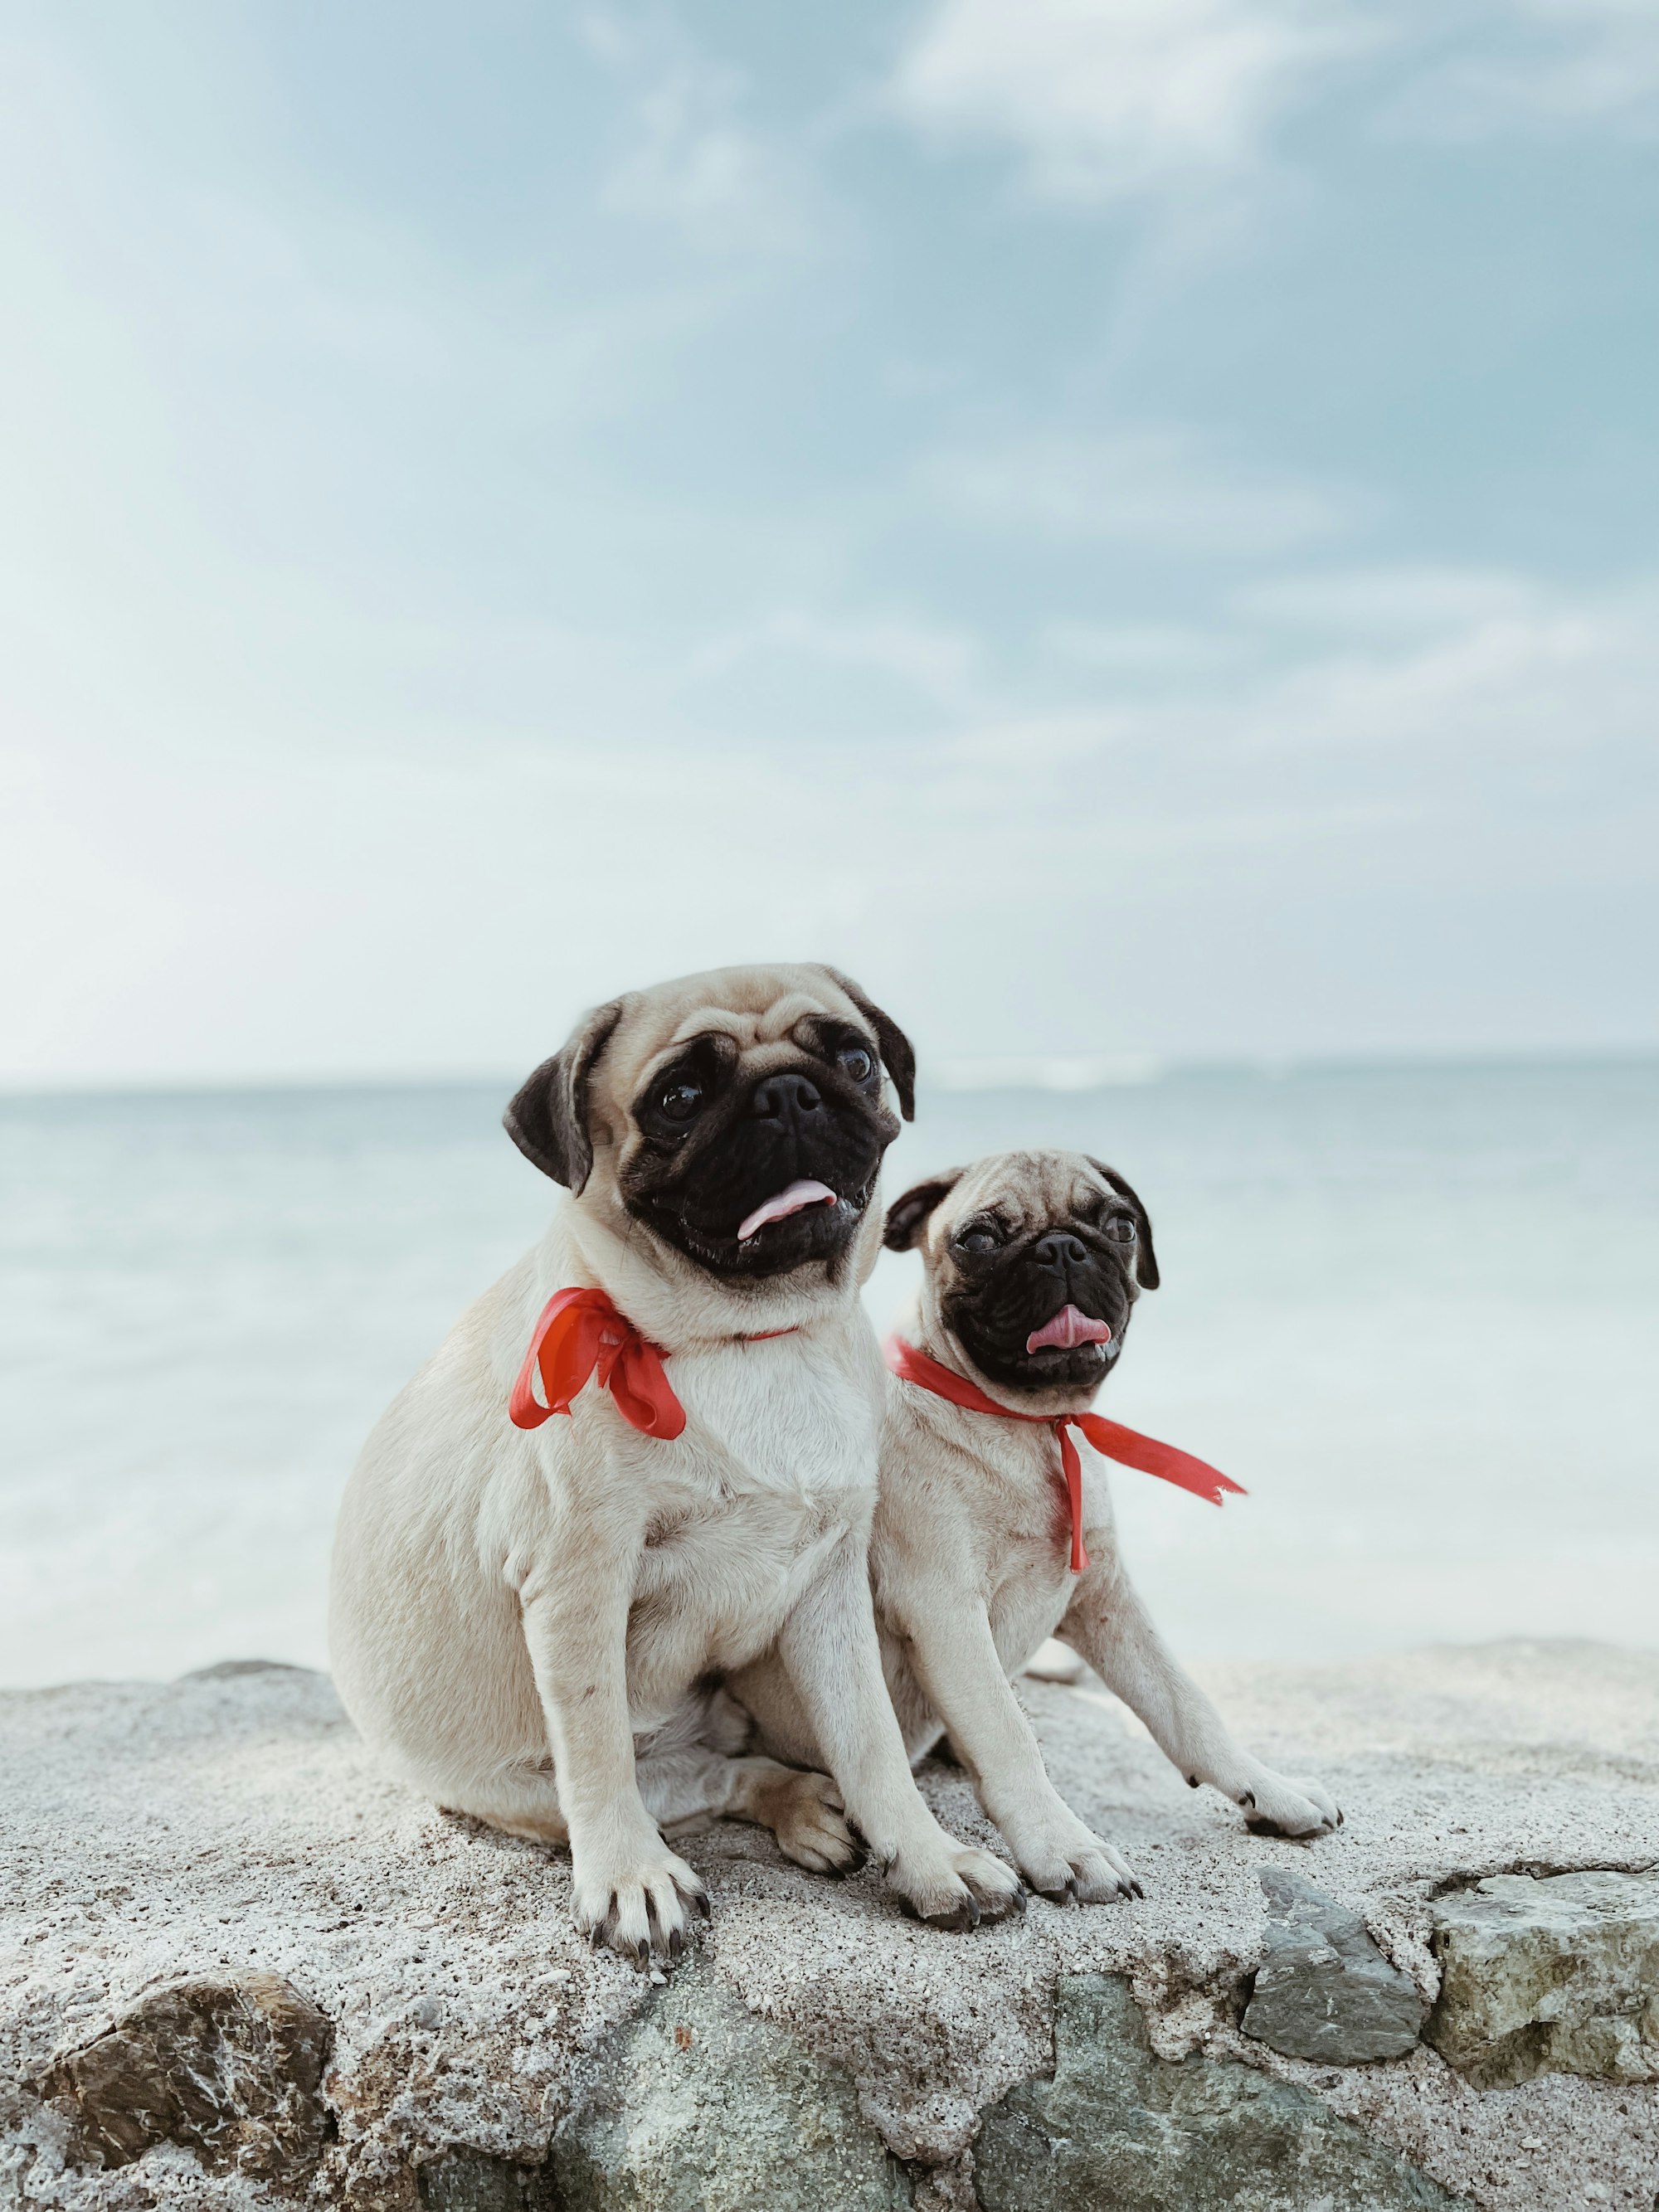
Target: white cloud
(939,664)
(1397,600)
(689,159)
(1034,881)
(1367,722)
(361,721)
(1156,488)
(1552,64)
(1114,100)
(1170,651)
(1567,677)
(1110,99)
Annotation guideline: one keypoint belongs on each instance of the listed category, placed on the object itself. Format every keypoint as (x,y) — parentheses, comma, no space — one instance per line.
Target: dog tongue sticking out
(1068,1330)
(788,1200)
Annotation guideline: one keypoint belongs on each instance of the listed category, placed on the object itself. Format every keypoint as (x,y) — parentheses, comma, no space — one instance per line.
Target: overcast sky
(1130,524)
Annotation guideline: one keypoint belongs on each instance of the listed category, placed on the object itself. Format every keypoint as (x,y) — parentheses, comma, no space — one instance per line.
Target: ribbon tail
(563,1351)
(570,1352)
(644,1396)
(1146,1455)
(1073,1467)
(525,1409)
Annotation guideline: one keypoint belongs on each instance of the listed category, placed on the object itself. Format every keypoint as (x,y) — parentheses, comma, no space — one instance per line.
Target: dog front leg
(628,1889)
(955,1654)
(1108,1623)
(830,1650)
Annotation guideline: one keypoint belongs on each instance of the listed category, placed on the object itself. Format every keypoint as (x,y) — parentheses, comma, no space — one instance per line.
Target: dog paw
(1275,1805)
(806,1814)
(643,1911)
(1084,1872)
(957,1888)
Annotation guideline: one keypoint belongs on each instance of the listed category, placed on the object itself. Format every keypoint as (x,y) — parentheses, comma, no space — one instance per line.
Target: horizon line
(1078,1072)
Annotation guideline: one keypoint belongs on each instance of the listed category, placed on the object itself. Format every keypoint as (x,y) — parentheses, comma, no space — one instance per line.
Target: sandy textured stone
(223,1826)
(1118,2127)
(698,2107)
(472,2181)
(1324,1990)
(1557,1976)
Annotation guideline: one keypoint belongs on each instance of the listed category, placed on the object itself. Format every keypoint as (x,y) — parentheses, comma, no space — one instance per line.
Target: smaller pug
(993,1532)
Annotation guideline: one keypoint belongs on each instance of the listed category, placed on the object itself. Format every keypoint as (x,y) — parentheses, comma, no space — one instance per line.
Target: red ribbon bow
(1109,1439)
(580,1331)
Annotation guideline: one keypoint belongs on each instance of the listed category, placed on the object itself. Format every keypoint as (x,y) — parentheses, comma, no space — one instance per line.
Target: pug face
(738,1117)
(1033,1261)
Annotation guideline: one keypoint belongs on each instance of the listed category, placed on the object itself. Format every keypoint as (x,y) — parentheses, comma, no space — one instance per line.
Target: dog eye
(680,1101)
(980,1237)
(1121,1229)
(859,1064)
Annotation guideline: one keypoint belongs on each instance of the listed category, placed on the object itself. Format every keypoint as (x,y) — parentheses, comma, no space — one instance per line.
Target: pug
(993,1532)
(650,1452)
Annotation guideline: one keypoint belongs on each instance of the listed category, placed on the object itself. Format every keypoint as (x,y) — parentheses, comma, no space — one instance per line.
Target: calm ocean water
(1413,1310)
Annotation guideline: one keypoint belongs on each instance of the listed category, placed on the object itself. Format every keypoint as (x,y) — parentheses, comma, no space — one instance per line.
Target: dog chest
(748,1504)
(755,1541)
(777,1417)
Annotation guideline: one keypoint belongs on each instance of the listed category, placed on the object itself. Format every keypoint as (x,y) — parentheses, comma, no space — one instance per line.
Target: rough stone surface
(1551,1976)
(699,2103)
(232,1825)
(472,2181)
(228,2068)
(1117,2126)
(1324,1990)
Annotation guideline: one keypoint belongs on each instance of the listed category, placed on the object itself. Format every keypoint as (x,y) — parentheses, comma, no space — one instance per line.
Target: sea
(1412,1308)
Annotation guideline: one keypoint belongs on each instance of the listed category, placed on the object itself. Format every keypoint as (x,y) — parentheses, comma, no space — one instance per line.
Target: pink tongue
(1068,1330)
(791,1200)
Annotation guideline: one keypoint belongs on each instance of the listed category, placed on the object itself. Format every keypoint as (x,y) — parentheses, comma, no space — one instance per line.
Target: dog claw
(958,1922)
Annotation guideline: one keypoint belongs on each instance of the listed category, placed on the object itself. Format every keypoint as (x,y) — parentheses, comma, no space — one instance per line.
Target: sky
(1133,526)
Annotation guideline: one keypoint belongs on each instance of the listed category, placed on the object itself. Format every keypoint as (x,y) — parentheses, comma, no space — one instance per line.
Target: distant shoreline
(1075,1074)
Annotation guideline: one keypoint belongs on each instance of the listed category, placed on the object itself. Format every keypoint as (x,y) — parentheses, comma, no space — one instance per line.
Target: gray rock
(473,2181)
(1324,1991)
(698,2106)
(1118,2127)
(1557,1976)
(228,2068)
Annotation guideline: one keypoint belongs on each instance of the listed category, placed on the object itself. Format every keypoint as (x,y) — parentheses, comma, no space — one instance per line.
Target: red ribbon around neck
(580,1330)
(1109,1439)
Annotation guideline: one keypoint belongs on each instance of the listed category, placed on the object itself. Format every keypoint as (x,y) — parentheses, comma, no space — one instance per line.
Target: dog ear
(896,1051)
(1145,1257)
(905,1215)
(548,1117)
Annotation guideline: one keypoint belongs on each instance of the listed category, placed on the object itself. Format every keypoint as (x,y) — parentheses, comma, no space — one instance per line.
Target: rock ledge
(240,1971)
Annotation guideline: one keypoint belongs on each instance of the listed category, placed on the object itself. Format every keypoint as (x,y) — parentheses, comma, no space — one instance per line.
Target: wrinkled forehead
(754,1006)
(1029,1190)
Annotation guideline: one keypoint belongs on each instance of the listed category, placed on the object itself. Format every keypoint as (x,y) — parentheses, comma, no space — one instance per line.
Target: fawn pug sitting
(527,1611)
(991,1534)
